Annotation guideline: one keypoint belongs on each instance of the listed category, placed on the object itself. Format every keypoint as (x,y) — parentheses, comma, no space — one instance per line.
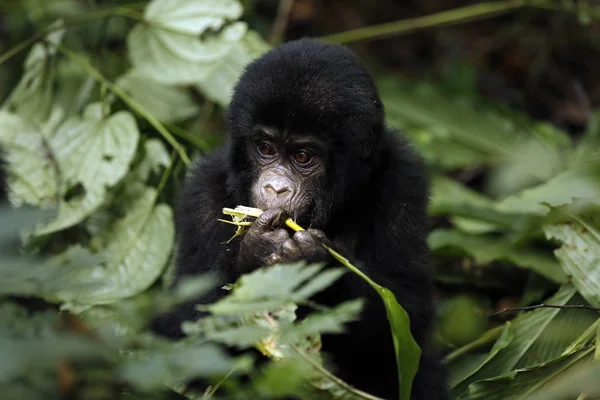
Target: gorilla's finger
(273,259)
(319,235)
(306,242)
(290,250)
(277,236)
(269,220)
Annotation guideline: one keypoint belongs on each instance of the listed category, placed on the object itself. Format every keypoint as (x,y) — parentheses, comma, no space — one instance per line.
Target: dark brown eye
(265,148)
(302,157)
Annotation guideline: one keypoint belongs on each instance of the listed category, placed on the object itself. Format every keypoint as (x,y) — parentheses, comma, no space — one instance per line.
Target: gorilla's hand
(304,245)
(267,242)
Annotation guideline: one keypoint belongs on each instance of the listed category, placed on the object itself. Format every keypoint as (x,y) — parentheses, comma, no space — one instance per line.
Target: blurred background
(501,99)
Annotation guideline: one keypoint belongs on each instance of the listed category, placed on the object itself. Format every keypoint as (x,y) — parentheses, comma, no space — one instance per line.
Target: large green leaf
(408,352)
(520,384)
(219,82)
(167,46)
(137,249)
(32,175)
(32,97)
(166,103)
(575,183)
(480,134)
(579,255)
(448,194)
(487,249)
(191,16)
(277,285)
(539,337)
(459,375)
(93,154)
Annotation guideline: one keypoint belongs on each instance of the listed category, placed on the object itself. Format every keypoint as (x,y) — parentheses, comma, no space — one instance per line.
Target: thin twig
(127,11)
(281,21)
(444,18)
(565,307)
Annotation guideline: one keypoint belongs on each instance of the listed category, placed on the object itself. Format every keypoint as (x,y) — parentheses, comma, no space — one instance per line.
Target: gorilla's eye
(302,157)
(265,148)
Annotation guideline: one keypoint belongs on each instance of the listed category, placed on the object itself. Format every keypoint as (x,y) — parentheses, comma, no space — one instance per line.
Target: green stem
(189,136)
(121,11)
(444,18)
(486,338)
(134,105)
(290,223)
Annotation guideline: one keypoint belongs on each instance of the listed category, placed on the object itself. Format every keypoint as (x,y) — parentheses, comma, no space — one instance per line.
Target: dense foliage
(107,108)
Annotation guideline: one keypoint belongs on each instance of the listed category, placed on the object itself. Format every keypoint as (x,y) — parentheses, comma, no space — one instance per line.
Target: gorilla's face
(290,173)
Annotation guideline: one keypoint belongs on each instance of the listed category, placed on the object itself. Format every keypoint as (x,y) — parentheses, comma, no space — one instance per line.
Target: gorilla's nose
(273,189)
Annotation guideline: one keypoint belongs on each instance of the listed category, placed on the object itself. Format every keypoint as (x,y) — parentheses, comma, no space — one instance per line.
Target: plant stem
(93,72)
(290,223)
(487,337)
(128,11)
(444,18)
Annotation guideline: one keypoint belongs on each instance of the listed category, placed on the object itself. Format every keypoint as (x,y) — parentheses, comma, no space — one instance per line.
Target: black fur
(373,210)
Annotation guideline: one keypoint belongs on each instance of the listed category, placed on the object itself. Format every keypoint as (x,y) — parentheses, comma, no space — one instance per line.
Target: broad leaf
(483,135)
(191,16)
(539,337)
(574,183)
(175,364)
(136,252)
(486,249)
(166,103)
(447,194)
(32,174)
(167,47)
(32,97)
(219,83)
(504,340)
(520,384)
(579,255)
(93,154)
(270,288)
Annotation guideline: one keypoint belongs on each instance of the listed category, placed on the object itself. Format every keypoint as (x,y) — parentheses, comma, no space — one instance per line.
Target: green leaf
(191,16)
(447,193)
(271,288)
(330,321)
(579,255)
(578,382)
(32,97)
(137,249)
(504,340)
(408,352)
(93,154)
(175,364)
(486,249)
(539,337)
(32,175)
(521,383)
(574,183)
(219,82)
(167,103)
(167,47)
(155,157)
(485,136)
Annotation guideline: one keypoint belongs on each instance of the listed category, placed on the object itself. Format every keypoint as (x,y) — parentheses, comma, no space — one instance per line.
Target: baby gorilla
(307,139)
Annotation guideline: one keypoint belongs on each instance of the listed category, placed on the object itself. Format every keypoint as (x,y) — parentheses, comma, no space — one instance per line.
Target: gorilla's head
(305,122)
